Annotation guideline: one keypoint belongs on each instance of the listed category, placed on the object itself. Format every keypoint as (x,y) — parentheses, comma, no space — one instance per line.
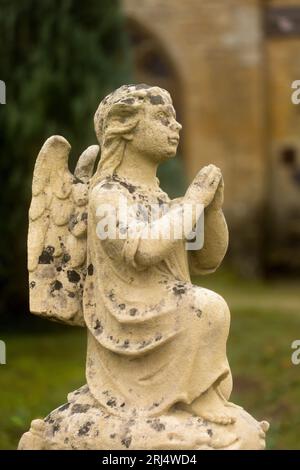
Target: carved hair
(116,119)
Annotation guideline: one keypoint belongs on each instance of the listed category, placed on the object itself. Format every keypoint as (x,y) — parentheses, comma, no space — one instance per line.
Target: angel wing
(57,232)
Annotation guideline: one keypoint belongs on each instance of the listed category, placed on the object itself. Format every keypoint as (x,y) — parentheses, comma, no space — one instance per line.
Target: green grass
(265,320)
(42,367)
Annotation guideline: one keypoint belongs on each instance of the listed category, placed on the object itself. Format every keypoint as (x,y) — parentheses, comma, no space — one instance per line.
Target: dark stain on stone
(126,343)
(121,306)
(144,344)
(158,337)
(64,407)
(126,441)
(47,255)
(66,257)
(78,408)
(90,269)
(128,101)
(85,429)
(156,99)
(73,276)
(84,216)
(130,187)
(71,295)
(32,284)
(112,436)
(157,425)
(58,269)
(72,222)
(165,121)
(106,142)
(198,312)
(56,428)
(98,327)
(49,419)
(56,285)
(133,311)
(210,432)
(111,295)
(112,402)
(179,289)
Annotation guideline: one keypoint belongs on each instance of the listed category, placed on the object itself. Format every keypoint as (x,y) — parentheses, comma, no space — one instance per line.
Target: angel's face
(157,134)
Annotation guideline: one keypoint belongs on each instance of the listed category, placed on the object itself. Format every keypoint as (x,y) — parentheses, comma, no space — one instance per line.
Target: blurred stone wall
(227,77)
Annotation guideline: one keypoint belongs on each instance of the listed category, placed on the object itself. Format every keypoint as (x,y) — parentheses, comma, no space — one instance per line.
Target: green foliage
(58,59)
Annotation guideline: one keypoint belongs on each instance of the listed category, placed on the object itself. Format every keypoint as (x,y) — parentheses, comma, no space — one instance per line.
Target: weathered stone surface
(157,372)
(82,424)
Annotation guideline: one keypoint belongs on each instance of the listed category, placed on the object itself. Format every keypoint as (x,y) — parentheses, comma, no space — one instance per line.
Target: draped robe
(154,339)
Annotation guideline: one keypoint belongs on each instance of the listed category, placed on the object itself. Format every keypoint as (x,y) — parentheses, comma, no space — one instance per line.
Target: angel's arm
(142,250)
(209,257)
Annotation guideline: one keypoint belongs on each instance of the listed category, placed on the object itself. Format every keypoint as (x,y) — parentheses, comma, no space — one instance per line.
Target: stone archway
(151,61)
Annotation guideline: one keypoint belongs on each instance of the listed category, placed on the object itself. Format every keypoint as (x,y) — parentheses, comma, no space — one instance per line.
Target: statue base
(81,424)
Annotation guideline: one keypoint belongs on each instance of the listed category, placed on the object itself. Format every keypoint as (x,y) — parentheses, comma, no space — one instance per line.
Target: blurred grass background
(46,364)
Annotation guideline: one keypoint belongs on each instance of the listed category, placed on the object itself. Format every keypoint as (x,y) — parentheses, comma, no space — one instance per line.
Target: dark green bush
(58,59)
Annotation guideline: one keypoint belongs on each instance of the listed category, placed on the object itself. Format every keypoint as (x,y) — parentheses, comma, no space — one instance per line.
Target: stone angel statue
(157,371)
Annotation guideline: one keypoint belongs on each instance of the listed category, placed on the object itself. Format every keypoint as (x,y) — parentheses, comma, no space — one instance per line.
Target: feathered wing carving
(57,231)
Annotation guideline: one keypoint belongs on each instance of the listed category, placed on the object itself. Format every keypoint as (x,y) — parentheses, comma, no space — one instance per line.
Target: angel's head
(139,118)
